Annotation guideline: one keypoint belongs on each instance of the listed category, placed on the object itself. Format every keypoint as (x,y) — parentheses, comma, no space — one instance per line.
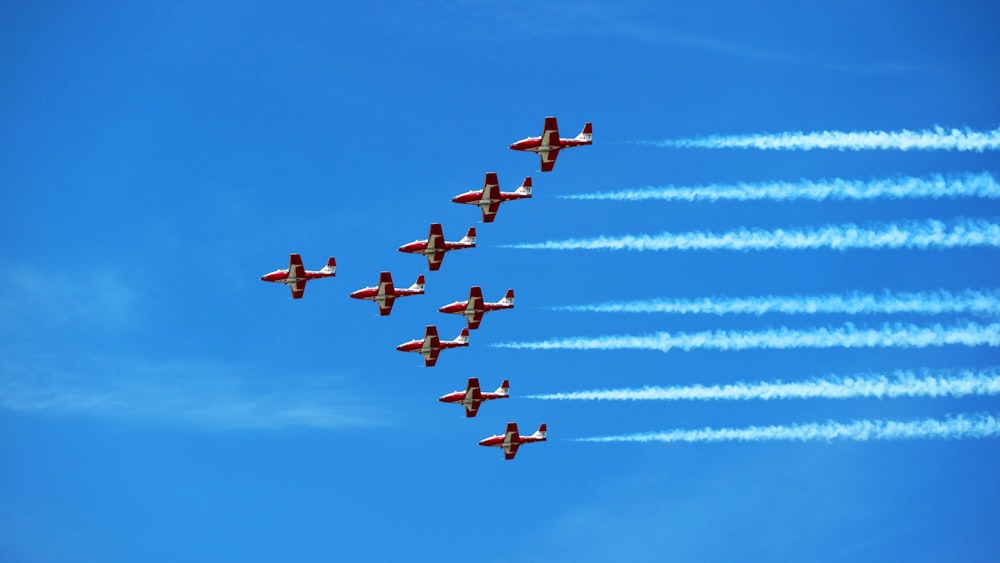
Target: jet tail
(508,298)
(540,433)
(586,134)
(504,388)
(418,285)
(470,237)
(330,268)
(525,188)
(463,337)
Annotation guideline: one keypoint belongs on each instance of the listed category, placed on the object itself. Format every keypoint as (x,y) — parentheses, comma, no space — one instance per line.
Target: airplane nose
(482,442)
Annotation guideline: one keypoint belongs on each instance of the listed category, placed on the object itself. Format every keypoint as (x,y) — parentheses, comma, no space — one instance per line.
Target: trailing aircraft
(510,440)
(295,277)
(474,307)
(385,294)
(435,246)
(473,396)
(490,197)
(549,144)
(430,345)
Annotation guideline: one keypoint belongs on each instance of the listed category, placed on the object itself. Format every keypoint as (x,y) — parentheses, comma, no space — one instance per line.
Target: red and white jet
(435,246)
(549,144)
(490,197)
(296,276)
(385,294)
(474,308)
(430,345)
(473,396)
(511,440)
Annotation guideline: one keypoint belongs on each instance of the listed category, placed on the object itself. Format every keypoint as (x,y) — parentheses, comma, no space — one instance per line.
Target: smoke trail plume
(913,234)
(924,303)
(904,140)
(896,335)
(954,428)
(924,383)
(982,185)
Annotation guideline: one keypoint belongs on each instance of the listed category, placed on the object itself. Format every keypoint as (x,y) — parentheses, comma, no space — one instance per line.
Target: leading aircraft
(549,144)
(490,197)
(473,396)
(296,276)
(435,246)
(430,345)
(474,308)
(385,294)
(510,440)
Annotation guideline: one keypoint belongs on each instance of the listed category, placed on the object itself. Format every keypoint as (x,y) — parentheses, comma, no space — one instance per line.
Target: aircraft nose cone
(483,441)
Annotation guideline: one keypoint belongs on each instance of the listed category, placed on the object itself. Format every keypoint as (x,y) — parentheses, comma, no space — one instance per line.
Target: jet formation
(433,248)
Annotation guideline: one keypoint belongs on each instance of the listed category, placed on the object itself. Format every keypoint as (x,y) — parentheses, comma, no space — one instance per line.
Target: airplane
(511,440)
(435,246)
(296,276)
(385,294)
(430,345)
(490,197)
(474,308)
(549,144)
(472,396)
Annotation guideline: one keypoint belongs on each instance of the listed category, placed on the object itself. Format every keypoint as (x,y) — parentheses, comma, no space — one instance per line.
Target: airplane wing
(550,132)
(387,292)
(296,276)
(489,210)
(474,310)
(431,357)
(432,346)
(548,159)
(295,268)
(471,409)
(298,287)
(434,261)
(509,451)
(385,306)
(435,247)
(474,318)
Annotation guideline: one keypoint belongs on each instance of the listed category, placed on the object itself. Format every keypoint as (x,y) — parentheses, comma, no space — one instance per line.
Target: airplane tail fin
(508,298)
(504,388)
(540,433)
(419,284)
(525,188)
(587,133)
(330,268)
(463,337)
(470,237)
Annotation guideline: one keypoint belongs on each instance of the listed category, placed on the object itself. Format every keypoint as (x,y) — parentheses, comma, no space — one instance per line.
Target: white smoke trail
(879,386)
(912,234)
(953,428)
(904,140)
(982,185)
(925,303)
(896,335)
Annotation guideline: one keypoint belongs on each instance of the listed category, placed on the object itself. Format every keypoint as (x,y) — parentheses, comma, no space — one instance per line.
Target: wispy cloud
(982,185)
(983,302)
(958,233)
(897,335)
(903,140)
(925,383)
(954,428)
(97,298)
(193,393)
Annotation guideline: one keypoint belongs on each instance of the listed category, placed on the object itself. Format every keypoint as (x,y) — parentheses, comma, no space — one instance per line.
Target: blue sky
(159,403)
